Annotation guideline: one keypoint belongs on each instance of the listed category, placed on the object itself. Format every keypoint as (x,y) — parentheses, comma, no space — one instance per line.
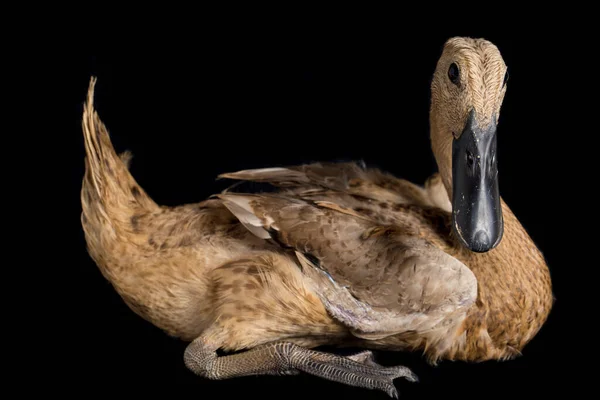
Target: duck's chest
(513,302)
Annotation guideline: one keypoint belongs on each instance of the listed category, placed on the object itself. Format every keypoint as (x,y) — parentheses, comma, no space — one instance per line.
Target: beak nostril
(470,159)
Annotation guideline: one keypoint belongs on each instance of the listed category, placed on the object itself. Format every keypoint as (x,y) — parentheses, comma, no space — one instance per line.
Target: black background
(211,99)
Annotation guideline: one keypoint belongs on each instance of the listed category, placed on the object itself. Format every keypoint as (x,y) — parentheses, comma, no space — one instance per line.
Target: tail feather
(109,193)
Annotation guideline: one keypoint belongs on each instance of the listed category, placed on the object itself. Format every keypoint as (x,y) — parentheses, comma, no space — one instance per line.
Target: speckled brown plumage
(183,268)
(342,254)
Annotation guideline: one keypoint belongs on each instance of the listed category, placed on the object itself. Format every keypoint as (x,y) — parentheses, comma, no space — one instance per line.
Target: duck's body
(514,288)
(341,255)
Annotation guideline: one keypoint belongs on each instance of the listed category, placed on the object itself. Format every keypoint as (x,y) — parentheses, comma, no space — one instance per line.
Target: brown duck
(340,254)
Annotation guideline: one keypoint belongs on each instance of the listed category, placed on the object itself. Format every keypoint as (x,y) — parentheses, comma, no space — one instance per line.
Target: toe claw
(412,377)
(392,391)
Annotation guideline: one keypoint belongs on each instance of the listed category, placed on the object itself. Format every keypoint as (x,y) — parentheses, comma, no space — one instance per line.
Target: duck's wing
(378,280)
(347,177)
(376,195)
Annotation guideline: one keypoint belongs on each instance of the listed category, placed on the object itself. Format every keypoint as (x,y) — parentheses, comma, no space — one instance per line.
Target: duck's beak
(476,211)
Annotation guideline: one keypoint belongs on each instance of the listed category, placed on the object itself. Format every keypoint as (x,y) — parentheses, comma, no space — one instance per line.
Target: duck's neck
(441,145)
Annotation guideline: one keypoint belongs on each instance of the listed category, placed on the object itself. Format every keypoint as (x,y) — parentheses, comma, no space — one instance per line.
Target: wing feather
(378,280)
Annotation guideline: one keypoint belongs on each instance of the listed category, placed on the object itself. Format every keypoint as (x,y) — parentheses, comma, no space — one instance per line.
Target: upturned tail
(110,196)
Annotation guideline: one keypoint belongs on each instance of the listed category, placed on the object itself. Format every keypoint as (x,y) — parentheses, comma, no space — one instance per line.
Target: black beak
(476,211)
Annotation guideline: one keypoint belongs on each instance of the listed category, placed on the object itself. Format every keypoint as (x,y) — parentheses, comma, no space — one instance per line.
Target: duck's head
(467,91)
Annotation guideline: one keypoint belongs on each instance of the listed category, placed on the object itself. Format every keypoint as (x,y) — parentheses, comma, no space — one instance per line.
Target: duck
(338,254)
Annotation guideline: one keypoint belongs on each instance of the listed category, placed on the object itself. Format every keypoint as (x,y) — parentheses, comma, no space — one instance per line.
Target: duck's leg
(260,302)
(284,358)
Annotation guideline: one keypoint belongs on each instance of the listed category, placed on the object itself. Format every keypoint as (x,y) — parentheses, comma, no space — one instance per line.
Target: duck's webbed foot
(284,358)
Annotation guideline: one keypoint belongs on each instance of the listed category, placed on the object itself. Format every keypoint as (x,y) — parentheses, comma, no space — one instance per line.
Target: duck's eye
(505,78)
(453,73)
